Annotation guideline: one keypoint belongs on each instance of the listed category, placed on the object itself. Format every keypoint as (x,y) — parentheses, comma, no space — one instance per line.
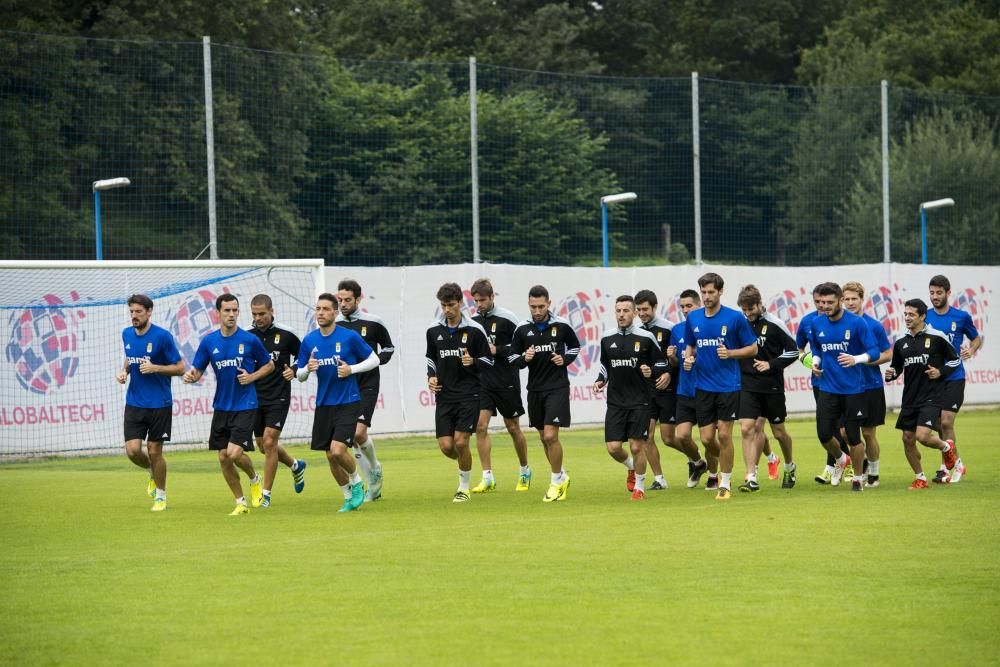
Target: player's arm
(871,351)
(572,346)
(895,364)
(479,349)
(288,372)
(361,350)
(198,365)
(123,373)
(516,355)
(306,363)
(746,338)
(789,350)
(385,346)
(975,340)
(884,346)
(952,359)
(602,373)
(658,361)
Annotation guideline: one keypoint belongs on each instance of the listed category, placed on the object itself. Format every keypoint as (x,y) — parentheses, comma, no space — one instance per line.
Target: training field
(815,575)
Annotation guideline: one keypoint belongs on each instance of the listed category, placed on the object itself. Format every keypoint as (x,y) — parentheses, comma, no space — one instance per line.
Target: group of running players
(716,367)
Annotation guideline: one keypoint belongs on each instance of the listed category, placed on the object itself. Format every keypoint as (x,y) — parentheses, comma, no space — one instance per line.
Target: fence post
(696,154)
(474,152)
(206,47)
(886,255)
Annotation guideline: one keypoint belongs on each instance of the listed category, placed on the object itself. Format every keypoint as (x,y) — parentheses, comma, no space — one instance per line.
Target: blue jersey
(956,325)
(685,379)
(873,375)
(229,354)
(157,345)
(849,334)
(802,339)
(339,344)
(727,327)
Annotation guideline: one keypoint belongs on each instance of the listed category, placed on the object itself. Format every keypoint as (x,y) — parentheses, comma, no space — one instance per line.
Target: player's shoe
(788,478)
(848,471)
(749,486)
(772,468)
(630,480)
(941,477)
(265,501)
(564,487)
(712,483)
(524,481)
(485,486)
(460,497)
(823,477)
(918,484)
(695,471)
(374,491)
(723,493)
(872,482)
(240,509)
(299,476)
(159,505)
(357,496)
(958,473)
(151,488)
(840,472)
(556,492)
(638,494)
(656,486)
(256,493)
(951,456)
(857,486)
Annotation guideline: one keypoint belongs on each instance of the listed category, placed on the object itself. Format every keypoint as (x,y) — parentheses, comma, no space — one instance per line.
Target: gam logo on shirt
(42,346)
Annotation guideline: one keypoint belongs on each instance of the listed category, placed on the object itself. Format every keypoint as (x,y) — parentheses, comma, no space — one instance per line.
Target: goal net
(62,346)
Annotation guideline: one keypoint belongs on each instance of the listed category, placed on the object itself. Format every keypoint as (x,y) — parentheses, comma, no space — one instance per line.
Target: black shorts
(369,399)
(875,412)
(334,423)
(450,417)
(270,416)
(685,413)
(232,427)
(910,418)
(834,411)
(621,424)
(713,406)
(663,408)
(505,401)
(151,424)
(548,408)
(756,404)
(953,395)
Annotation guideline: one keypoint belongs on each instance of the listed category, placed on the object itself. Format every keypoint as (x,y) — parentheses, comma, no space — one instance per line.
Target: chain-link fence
(370,163)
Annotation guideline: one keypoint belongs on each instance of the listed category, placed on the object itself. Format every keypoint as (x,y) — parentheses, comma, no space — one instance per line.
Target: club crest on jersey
(954,326)
(636,346)
(659,336)
(364,331)
(723,329)
(493,329)
(336,348)
(465,338)
(553,332)
(149,348)
(763,330)
(927,343)
(241,348)
(277,338)
(847,335)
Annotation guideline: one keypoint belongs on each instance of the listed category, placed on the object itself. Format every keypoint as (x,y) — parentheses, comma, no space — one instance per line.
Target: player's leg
(341,459)
(637,446)
(137,426)
(465,416)
(784,439)
(912,454)
(364,446)
(615,434)
(484,449)
(158,466)
(513,427)
(652,455)
(749,435)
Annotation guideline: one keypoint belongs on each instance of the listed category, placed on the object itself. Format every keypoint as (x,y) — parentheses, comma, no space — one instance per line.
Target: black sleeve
(479,350)
(431,354)
(789,353)
(516,354)
(572,346)
(385,347)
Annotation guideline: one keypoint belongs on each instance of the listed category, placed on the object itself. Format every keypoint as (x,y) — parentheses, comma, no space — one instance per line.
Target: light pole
(611,199)
(924,207)
(107,184)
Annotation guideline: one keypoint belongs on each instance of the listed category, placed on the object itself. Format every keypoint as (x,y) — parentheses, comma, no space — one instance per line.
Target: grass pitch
(814,575)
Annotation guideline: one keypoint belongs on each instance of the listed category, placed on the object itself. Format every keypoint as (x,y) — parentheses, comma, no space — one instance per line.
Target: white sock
(368,450)
(772,457)
(922,476)
(463,479)
(362,463)
(873,467)
(242,500)
(843,460)
(267,492)
(640,482)
(947,447)
(828,469)
(752,476)
(488,474)
(295,465)
(255,479)
(727,480)
(355,478)
(629,464)
(161,494)
(346,490)
(556,478)
(790,466)
(525,470)
(659,478)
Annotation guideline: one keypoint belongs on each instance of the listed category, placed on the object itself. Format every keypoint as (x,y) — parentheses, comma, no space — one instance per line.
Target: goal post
(62,345)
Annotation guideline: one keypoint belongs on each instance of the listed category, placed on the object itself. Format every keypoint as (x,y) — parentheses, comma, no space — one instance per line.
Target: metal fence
(236,153)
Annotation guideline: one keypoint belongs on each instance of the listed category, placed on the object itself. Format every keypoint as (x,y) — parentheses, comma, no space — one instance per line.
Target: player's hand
(467,359)
(761,366)
(598,387)
(146,367)
(433,384)
(845,360)
(672,352)
(890,374)
(965,353)
(529,354)
(313,363)
(343,368)
(493,349)
(722,351)
(932,373)
(122,377)
(663,381)
(688,363)
(287,373)
(646,371)
(190,376)
(558,360)
(243,377)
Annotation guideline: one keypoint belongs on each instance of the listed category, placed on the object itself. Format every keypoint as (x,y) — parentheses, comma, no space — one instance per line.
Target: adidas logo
(955,406)
(822,334)
(278,424)
(860,414)
(127,346)
(440,337)
(776,420)
(531,333)
(732,416)
(614,345)
(697,330)
(215,351)
(556,420)
(929,423)
(906,345)
(315,349)
(361,416)
(165,435)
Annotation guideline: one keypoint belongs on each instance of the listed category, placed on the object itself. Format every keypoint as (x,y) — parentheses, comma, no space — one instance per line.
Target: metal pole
(97,223)
(206,48)
(474,145)
(923,235)
(604,232)
(696,155)
(886,254)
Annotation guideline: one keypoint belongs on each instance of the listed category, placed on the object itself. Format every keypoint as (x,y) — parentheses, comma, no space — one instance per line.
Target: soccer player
(630,358)
(547,345)
(841,342)
(500,387)
(925,358)
(457,352)
(685,415)
(238,359)
(853,300)
(717,337)
(372,329)
(663,407)
(957,326)
(151,359)
(336,354)
(762,397)
(274,394)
